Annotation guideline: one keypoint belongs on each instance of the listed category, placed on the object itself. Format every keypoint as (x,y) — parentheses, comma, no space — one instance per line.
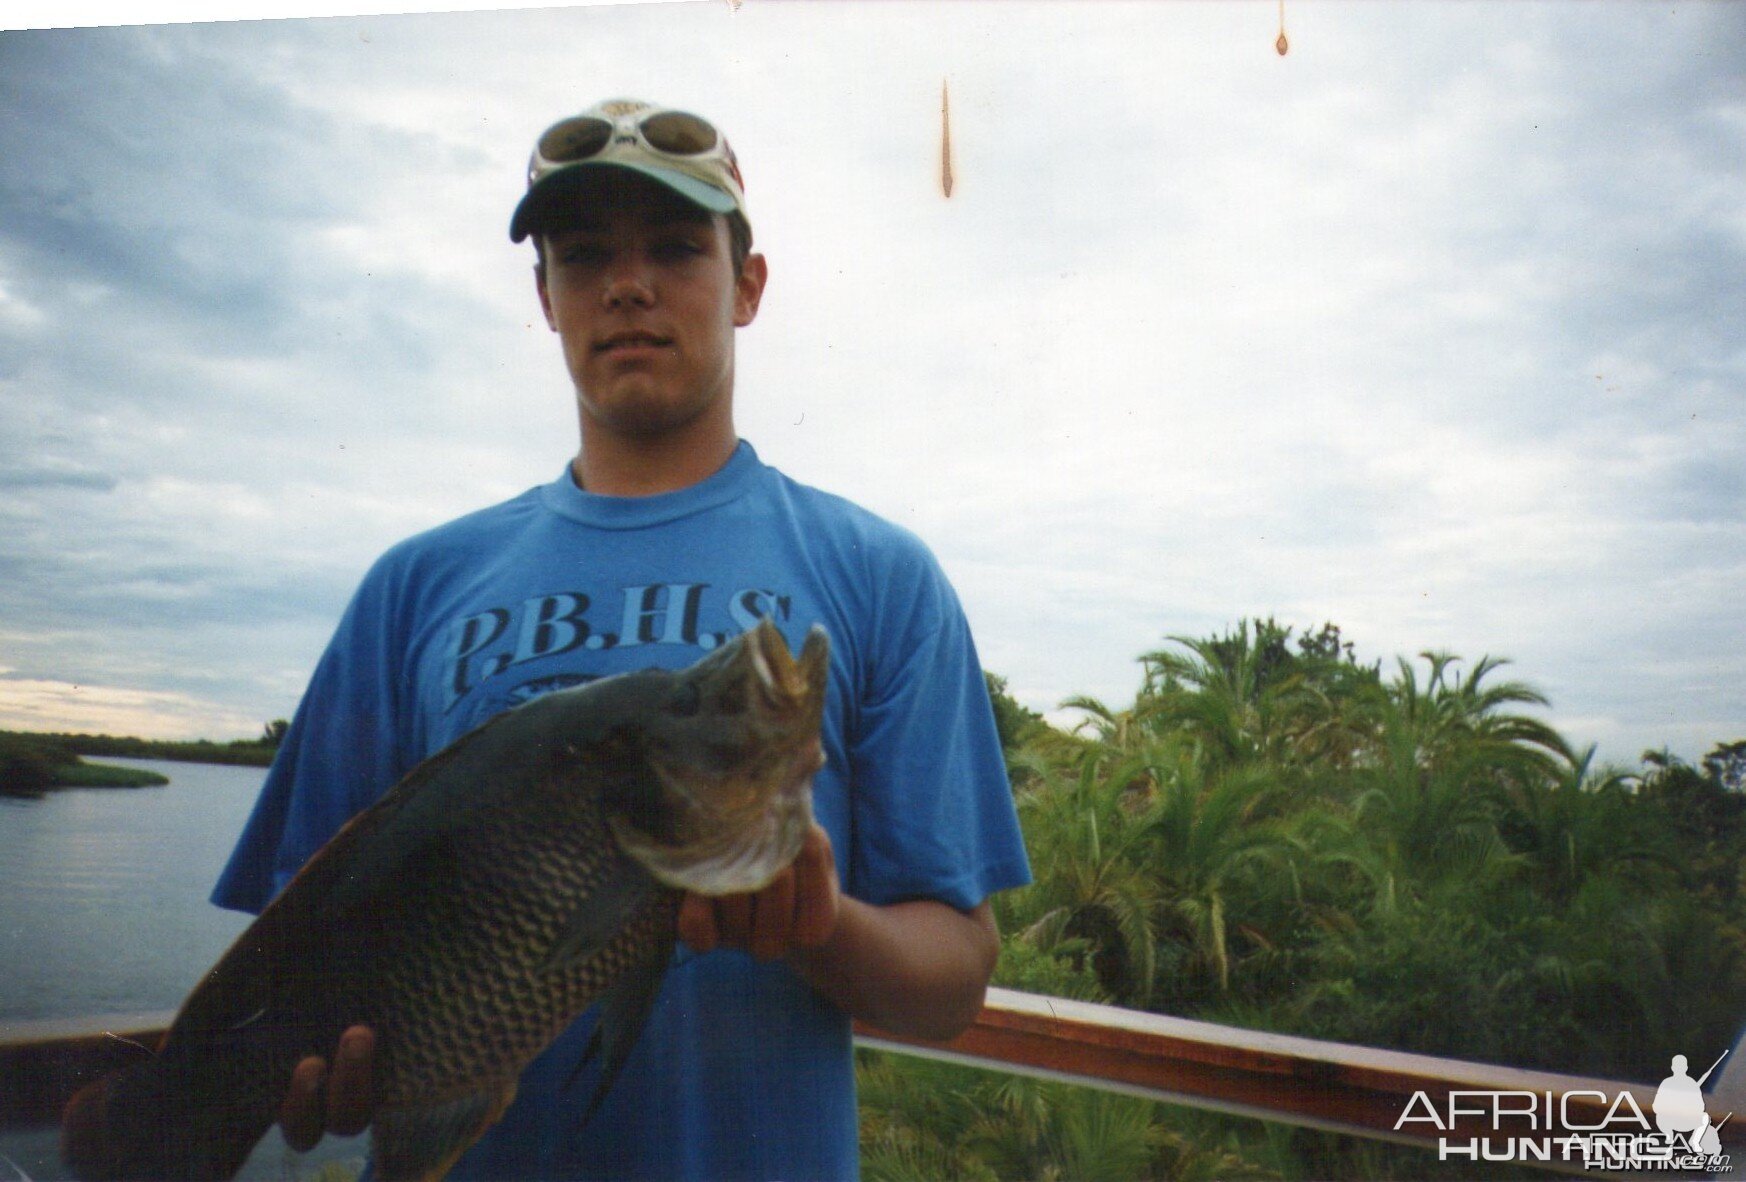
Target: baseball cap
(682,151)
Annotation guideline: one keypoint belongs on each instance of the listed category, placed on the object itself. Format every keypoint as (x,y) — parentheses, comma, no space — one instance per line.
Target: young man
(663,537)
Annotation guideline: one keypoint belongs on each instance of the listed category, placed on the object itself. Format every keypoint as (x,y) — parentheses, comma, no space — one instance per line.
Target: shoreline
(67,776)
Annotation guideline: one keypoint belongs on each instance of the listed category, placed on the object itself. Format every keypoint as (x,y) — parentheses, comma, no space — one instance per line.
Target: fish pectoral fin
(422,1144)
(624,1008)
(600,916)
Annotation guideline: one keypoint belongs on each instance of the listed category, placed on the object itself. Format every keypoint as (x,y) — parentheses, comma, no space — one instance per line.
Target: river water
(103,891)
(103,911)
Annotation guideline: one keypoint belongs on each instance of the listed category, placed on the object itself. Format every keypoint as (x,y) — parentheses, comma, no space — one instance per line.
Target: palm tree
(1423,802)
(1581,822)
(915,1116)
(1241,698)
(1245,697)
(1092,883)
(1219,849)
(1114,730)
(923,1120)
(1454,718)
(1415,827)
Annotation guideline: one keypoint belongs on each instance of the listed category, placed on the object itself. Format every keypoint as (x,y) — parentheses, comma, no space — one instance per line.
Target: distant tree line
(33,763)
(257,752)
(1276,836)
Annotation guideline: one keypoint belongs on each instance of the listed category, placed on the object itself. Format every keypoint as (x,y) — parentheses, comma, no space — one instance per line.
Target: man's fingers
(348,1087)
(816,855)
(815,918)
(773,917)
(816,894)
(300,1114)
(799,907)
(733,918)
(697,923)
(319,1101)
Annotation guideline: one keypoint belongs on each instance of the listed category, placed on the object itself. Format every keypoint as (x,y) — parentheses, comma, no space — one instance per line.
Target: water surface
(103,911)
(103,891)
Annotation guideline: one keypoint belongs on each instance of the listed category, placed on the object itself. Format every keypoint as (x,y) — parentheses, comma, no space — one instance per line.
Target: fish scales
(493,1001)
(531,869)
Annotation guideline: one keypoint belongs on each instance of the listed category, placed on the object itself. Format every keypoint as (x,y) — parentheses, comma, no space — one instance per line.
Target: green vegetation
(256,752)
(31,765)
(1273,835)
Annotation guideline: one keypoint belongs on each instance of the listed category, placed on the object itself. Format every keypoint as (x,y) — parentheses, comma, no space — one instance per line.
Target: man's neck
(617,467)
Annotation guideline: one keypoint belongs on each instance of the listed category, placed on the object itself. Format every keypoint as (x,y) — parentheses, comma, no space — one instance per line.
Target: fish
(531,869)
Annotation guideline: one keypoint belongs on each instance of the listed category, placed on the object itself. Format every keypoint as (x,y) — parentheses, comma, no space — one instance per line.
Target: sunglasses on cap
(678,134)
(676,148)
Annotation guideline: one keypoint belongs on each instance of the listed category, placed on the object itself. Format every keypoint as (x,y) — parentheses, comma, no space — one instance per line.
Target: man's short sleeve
(339,755)
(932,810)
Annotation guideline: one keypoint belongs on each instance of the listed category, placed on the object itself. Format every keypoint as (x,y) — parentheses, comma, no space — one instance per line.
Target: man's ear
(749,289)
(545,296)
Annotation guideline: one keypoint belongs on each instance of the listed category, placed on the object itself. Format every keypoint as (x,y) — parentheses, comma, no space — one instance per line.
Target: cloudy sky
(1430,328)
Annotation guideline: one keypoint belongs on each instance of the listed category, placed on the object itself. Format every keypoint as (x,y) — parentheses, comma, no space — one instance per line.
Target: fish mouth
(784,683)
(740,819)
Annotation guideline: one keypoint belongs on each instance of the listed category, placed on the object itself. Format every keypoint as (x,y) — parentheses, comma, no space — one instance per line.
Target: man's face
(640,288)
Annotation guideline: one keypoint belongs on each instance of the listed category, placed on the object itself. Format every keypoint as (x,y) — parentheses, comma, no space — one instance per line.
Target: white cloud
(1203,332)
(30,704)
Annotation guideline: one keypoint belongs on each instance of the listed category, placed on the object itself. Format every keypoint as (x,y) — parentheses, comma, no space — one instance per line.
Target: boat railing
(1338,1087)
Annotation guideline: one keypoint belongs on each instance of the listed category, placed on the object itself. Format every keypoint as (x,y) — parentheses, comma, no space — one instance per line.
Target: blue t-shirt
(742,1071)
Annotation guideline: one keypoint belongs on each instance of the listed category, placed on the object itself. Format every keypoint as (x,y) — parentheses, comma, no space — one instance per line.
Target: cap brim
(564,185)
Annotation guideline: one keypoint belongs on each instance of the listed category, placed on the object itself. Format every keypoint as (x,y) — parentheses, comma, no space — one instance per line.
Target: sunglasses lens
(574,139)
(679,133)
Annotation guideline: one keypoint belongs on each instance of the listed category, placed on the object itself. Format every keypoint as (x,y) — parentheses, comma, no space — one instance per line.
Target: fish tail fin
(145,1122)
